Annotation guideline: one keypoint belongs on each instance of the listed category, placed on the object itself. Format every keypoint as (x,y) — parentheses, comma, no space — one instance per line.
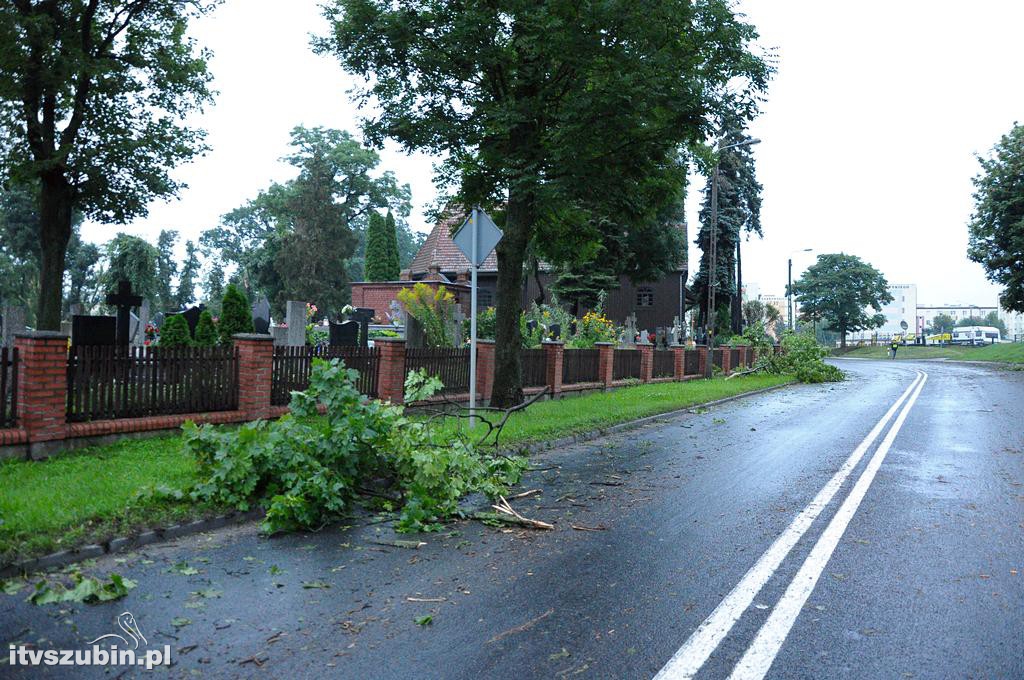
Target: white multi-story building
(957,312)
(1014,325)
(780,303)
(902,309)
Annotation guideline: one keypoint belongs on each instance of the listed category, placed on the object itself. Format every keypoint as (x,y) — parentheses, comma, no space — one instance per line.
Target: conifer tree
(391,237)
(378,256)
(235,315)
(206,330)
(175,332)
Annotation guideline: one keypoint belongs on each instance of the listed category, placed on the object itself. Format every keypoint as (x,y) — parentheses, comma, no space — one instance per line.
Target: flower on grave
(348,309)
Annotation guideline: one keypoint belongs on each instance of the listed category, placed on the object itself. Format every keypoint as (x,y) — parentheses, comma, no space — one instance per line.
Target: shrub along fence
(8,386)
(132,382)
(292,367)
(56,398)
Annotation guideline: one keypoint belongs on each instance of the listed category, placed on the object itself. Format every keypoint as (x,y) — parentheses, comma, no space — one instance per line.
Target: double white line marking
(762,651)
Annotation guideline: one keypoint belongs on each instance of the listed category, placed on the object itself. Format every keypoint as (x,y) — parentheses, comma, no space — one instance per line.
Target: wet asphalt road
(926,580)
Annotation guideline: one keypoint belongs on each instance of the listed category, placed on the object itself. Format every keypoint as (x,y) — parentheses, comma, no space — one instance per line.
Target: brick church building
(440,262)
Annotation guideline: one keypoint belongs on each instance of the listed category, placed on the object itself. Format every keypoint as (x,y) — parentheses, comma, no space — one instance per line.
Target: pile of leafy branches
(306,469)
(801,356)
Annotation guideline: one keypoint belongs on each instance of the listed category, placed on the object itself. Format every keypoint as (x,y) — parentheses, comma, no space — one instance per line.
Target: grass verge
(92,495)
(1009,353)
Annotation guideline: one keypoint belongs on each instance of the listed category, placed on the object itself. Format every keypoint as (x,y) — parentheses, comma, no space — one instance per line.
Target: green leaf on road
(425,620)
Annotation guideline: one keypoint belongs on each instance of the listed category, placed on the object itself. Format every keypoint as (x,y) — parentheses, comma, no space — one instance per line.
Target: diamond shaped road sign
(487,237)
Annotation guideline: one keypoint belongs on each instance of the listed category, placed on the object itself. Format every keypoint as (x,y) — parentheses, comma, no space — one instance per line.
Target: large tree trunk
(508,380)
(55,198)
(842,335)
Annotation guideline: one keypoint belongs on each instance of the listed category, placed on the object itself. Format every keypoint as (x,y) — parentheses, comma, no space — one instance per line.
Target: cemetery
(111,375)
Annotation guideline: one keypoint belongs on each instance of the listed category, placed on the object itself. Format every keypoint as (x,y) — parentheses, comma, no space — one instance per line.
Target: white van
(975,335)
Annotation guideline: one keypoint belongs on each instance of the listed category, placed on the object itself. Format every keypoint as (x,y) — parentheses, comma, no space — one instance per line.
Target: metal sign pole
(475,226)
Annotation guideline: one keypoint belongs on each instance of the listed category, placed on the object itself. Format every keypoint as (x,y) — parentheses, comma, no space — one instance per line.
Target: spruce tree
(206,330)
(235,315)
(391,236)
(377,252)
(175,332)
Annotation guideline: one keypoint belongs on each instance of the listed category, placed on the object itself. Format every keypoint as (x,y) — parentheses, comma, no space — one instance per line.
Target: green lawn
(1011,353)
(93,494)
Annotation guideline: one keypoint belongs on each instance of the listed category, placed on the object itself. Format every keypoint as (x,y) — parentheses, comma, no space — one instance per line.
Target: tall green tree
(295,240)
(378,255)
(185,294)
(213,287)
(92,95)
(545,106)
(166,269)
(132,259)
(83,274)
(739,214)
(394,258)
(840,290)
(997,224)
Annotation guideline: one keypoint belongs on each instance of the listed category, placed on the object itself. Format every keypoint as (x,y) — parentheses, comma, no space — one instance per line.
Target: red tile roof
(440,250)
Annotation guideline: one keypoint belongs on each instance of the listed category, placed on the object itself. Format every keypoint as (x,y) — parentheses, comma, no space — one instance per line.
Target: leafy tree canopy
(551,108)
(840,290)
(132,259)
(943,323)
(997,225)
(990,319)
(92,95)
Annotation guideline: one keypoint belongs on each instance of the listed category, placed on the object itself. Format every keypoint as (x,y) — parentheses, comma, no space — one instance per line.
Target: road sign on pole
(476,238)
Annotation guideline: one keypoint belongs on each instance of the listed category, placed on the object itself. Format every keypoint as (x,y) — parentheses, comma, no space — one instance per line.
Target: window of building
(644,297)
(484,298)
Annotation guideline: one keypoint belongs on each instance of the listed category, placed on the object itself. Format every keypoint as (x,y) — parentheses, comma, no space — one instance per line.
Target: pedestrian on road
(893,347)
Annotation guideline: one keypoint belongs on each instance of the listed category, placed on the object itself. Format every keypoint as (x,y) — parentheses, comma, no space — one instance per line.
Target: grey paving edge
(125,543)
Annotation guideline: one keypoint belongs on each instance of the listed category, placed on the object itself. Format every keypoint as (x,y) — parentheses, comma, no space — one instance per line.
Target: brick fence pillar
(554,353)
(646,362)
(255,373)
(391,370)
(484,369)
(726,360)
(605,362)
(679,356)
(42,389)
(702,360)
(743,357)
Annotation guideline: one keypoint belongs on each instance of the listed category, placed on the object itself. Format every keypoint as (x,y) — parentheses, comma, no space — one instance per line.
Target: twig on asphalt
(520,628)
(524,494)
(426,599)
(580,527)
(503,507)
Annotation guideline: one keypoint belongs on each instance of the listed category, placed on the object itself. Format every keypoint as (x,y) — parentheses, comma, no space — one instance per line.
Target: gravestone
(531,326)
(645,337)
(139,337)
(158,320)
(261,316)
(363,316)
(13,322)
(76,309)
(345,334)
(124,299)
(661,337)
(192,318)
(280,334)
(134,330)
(457,327)
(676,332)
(555,331)
(414,336)
(396,315)
(629,331)
(89,331)
(295,318)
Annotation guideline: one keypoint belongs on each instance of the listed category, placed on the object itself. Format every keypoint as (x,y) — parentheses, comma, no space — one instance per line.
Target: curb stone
(125,543)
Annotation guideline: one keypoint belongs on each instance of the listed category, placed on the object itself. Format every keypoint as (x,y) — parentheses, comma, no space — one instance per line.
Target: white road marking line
(763,650)
(695,651)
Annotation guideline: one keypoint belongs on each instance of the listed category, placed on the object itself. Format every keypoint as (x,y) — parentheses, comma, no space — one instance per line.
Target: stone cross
(124,299)
(630,330)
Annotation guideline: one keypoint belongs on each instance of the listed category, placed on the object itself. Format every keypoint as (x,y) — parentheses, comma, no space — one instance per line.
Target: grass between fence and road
(1004,352)
(97,493)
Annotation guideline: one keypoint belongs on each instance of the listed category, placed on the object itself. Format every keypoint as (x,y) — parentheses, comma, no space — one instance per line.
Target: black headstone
(93,330)
(192,317)
(345,334)
(556,331)
(261,316)
(363,315)
(124,299)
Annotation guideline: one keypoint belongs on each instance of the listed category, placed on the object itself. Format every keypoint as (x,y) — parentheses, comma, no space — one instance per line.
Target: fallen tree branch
(520,628)
(503,507)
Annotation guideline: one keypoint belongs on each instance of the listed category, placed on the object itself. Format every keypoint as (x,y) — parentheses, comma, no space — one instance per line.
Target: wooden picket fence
(581,366)
(450,365)
(626,364)
(535,367)
(292,366)
(8,387)
(133,382)
(664,364)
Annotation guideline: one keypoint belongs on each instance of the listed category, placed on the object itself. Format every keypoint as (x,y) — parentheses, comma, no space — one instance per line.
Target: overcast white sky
(868,133)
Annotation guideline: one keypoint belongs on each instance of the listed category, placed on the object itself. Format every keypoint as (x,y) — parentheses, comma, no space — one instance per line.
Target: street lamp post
(789,288)
(709,324)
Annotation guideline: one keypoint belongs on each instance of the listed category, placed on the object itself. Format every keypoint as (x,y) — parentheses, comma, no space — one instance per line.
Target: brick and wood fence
(54,398)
